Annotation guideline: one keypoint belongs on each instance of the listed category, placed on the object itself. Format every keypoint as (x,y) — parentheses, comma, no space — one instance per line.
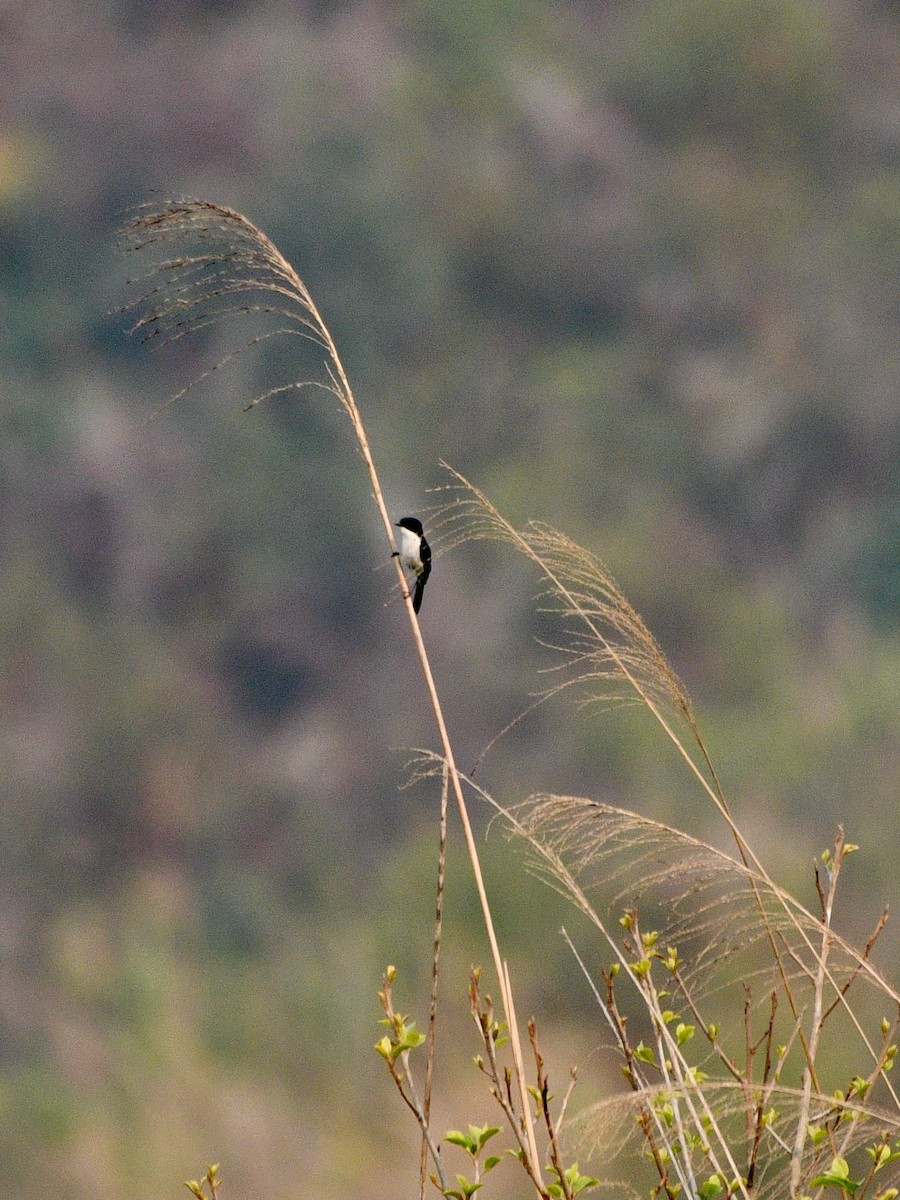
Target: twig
(432,1012)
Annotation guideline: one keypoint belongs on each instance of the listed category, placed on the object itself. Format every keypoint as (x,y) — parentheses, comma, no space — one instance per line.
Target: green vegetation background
(631,267)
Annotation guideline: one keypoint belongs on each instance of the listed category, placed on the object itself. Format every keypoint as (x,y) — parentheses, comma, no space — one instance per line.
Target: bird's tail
(417,594)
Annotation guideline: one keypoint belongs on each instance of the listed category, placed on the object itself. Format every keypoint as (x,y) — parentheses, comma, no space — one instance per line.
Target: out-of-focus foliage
(632,268)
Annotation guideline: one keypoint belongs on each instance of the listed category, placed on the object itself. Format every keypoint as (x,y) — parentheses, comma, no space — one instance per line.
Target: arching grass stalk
(223,265)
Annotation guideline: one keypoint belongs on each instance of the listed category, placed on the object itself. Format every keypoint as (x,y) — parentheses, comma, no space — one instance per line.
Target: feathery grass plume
(745,1099)
(613,1131)
(226,267)
(707,903)
(606,644)
(217,264)
(609,643)
(723,922)
(625,661)
(609,654)
(749,1114)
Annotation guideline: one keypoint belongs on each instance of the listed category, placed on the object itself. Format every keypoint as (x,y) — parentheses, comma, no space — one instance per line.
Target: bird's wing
(422,578)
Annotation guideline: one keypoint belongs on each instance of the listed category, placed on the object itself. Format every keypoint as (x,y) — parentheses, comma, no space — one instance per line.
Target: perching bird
(415,555)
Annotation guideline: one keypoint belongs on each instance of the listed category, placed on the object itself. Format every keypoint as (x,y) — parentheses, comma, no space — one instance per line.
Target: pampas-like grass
(215,264)
(722,922)
(721,992)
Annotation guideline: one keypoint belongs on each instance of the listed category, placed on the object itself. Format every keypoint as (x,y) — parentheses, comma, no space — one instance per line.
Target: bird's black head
(413,524)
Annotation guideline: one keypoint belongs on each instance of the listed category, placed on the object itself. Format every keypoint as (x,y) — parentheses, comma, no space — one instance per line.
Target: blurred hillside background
(629,265)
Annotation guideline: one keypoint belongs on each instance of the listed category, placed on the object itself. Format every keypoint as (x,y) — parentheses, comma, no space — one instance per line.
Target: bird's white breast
(409,550)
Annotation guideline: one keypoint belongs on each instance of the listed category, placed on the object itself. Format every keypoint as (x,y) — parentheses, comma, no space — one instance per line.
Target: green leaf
(582,1183)
(837,1176)
(881,1154)
(408,1037)
(711,1187)
(672,961)
(484,1133)
(684,1033)
(385,1048)
(457,1138)
(576,1182)
(644,1053)
(466,1187)
(473,1140)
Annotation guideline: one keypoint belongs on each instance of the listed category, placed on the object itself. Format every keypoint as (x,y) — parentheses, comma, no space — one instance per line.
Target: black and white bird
(415,555)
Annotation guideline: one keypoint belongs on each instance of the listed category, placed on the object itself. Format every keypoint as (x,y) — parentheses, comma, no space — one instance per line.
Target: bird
(414,554)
